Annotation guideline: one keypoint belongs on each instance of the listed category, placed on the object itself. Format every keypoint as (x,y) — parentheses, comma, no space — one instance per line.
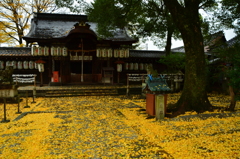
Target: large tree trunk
(186,18)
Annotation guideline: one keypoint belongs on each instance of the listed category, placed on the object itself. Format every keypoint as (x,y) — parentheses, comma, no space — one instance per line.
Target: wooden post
(127,93)
(41,84)
(34,94)
(4,112)
(118,77)
(27,106)
(18,99)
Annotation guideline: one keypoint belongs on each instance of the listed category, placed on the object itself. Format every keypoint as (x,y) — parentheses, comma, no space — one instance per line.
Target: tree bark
(169,41)
(194,95)
(233,101)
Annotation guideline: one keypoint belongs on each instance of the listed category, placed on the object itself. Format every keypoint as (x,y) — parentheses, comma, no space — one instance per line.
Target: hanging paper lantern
(116,53)
(35,65)
(40,51)
(14,64)
(25,64)
(126,53)
(126,66)
(121,53)
(64,51)
(86,58)
(1,65)
(141,66)
(8,63)
(131,66)
(80,58)
(19,65)
(59,51)
(98,54)
(119,67)
(31,64)
(53,51)
(145,66)
(41,67)
(34,51)
(76,57)
(104,52)
(109,52)
(135,66)
(46,51)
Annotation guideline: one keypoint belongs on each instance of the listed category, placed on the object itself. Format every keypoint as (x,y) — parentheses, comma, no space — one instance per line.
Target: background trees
(15,17)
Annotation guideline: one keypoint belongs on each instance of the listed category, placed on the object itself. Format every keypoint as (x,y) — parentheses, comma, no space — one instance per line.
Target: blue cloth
(150,76)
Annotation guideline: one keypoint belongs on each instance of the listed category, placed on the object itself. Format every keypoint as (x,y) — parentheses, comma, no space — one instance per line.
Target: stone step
(89,92)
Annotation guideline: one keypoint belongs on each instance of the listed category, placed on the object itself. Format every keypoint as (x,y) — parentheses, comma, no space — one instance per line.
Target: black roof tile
(15,51)
(146,53)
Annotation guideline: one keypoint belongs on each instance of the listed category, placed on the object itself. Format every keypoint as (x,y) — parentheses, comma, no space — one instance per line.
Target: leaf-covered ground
(115,127)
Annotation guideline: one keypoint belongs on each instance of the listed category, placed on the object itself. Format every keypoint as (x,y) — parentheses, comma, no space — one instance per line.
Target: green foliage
(152,71)
(142,19)
(229,14)
(174,62)
(231,69)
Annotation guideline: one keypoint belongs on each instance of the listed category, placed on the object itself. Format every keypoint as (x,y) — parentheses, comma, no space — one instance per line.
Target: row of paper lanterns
(132,66)
(19,64)
(136,66)
(76,57)
(117,53)
(44,51)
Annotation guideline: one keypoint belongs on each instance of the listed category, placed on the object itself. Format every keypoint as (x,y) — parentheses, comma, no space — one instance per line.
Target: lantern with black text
(31,65)
(1,65)
(8,63)
(121,53)
(131,66)
(109,52)
(116,53)
(34,51)
(19,65)
(59,51)
(53,51)
(126,52)
(41,67)
(104,53)
(98,53)
(64,51)
(46,51)
(25,64)
(40,51)
(126,66)
(14,64)
(119,67)
(35,65)
(135,67)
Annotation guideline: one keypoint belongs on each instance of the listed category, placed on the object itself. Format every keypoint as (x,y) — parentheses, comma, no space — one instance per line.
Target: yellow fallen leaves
(111,127)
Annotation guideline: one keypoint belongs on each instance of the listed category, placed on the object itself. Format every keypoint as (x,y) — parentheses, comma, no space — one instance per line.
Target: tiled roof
(48,26)
(156,85)
(146,54)
(178,49)
(15,51)
(26,51)
(232,41)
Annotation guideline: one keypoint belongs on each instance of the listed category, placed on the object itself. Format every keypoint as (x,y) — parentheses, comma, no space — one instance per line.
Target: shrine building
(71,52)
